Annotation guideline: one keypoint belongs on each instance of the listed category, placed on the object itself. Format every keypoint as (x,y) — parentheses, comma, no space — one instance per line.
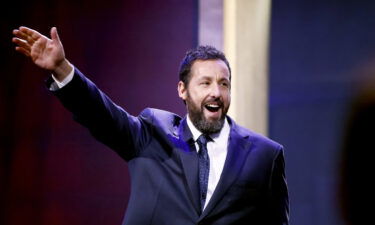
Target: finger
(54,35)
(23,51)
(21,35)
(21,43)
(30,32)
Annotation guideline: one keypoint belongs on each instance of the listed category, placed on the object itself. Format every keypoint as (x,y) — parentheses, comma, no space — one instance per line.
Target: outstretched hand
(44,52)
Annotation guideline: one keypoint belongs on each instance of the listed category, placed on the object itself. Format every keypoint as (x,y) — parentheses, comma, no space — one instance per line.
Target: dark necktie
(204,167)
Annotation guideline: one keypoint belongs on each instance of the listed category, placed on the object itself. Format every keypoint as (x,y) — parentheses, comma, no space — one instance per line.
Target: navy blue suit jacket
(163,165)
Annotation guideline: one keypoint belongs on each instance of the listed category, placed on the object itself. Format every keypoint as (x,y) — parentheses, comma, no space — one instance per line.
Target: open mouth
(212,107)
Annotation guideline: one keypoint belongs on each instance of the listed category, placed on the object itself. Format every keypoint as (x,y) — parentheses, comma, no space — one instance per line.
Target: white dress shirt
(217,152)
(57,84)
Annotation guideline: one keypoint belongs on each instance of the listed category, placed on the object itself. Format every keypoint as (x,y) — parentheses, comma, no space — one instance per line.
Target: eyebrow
(210,78)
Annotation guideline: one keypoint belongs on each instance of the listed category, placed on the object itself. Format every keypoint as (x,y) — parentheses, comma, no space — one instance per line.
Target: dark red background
(51,170)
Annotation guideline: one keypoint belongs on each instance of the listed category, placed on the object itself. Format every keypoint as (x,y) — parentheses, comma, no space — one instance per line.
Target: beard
(196,114)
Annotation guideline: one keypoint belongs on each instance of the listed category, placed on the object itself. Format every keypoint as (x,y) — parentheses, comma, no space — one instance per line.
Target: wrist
(62,70)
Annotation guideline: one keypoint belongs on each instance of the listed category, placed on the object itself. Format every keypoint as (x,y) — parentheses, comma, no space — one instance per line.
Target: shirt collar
(216,137)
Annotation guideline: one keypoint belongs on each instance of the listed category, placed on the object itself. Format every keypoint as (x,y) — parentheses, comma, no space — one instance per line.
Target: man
(201,169)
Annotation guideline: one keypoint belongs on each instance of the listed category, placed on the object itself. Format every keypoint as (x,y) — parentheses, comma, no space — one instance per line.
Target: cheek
(198,95)
(194,98)
(227,97)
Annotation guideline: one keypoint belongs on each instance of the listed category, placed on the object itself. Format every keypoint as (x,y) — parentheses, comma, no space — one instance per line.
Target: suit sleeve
(106,121)
(279,197)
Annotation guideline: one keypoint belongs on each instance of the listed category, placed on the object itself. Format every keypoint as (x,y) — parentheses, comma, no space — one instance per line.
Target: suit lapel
(238,149)
(189,161)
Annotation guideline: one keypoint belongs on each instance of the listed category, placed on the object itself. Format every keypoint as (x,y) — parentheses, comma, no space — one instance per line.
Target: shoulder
(160,118)
(257,140)
(158,114)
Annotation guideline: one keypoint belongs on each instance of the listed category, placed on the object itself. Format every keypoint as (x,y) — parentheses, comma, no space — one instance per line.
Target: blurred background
(53,172)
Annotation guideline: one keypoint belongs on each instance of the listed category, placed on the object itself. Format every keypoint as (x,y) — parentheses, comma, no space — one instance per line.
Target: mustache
(213,101)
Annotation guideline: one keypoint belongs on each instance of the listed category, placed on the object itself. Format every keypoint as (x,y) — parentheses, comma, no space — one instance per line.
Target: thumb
(54,35)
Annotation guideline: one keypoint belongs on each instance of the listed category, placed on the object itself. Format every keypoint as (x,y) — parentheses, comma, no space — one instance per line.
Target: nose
(215,91)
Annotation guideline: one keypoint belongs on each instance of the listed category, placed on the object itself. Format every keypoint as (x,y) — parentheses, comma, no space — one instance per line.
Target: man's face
(207,95)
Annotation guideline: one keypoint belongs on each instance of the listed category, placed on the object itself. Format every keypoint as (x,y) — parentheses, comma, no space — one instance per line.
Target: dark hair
(204,52)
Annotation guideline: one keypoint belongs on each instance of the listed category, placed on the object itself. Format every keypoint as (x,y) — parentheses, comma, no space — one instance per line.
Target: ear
(182,91)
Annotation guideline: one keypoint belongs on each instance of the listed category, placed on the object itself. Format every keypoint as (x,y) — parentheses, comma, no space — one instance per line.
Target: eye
(205,83)
(225,84)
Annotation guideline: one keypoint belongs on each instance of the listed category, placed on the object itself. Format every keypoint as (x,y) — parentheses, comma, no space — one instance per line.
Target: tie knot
(203,139)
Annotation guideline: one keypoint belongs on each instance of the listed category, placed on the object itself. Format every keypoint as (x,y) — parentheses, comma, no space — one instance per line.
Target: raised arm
(44,52)
(106,121)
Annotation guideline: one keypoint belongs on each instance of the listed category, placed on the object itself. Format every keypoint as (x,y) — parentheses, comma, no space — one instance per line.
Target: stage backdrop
(317,51)
(51,170)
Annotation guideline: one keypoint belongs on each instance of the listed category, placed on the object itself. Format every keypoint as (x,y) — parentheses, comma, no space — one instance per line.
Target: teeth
(213,106)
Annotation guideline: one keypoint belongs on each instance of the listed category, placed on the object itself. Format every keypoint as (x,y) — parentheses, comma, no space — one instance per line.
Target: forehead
(209,68)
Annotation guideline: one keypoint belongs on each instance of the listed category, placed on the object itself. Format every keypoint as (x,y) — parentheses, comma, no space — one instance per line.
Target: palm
(46,53)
